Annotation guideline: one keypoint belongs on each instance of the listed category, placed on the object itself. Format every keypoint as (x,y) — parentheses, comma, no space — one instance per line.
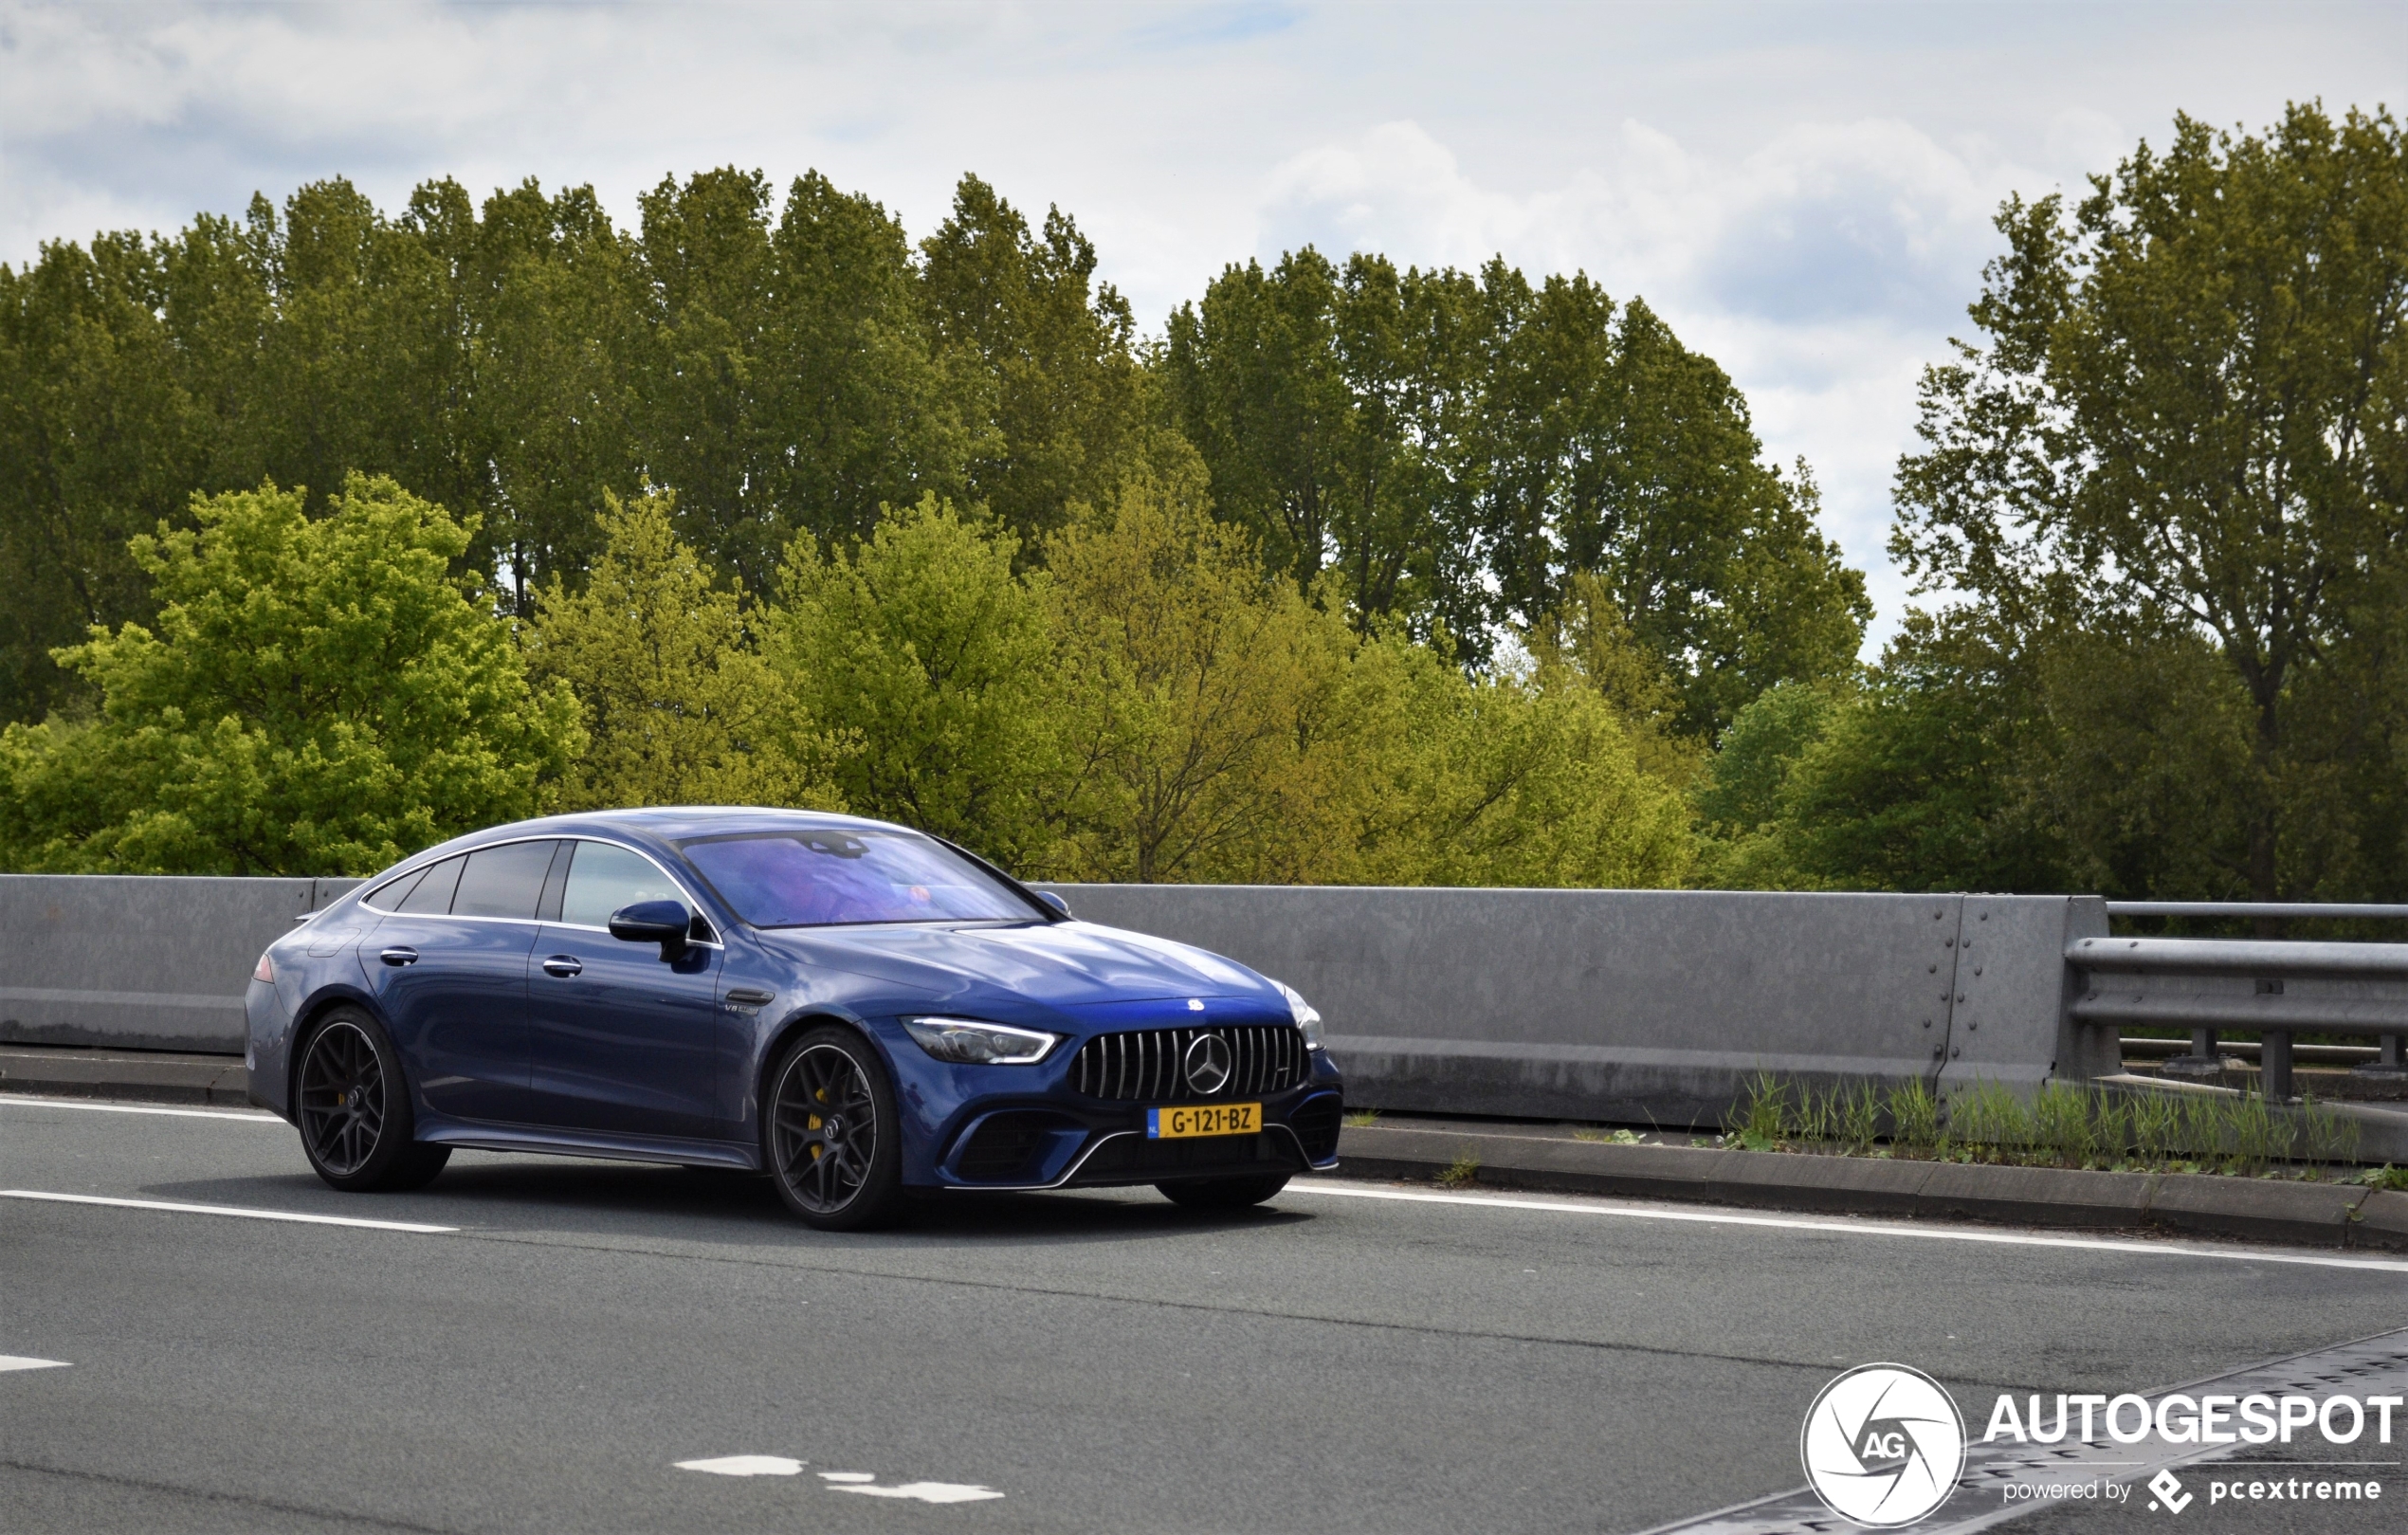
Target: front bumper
(1078,1119)
(1045,1147)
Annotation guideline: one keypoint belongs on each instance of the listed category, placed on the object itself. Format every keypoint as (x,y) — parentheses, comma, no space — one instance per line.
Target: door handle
(398,955)
(563,965)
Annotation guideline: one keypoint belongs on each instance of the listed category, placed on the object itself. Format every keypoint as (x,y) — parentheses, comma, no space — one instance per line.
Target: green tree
(679,706)
(922,646)
(1221,727)
(1326,402)
(549,323)
(785,381)
(1057,380)
(1925,778)
(1198,738)
(100,439)
(1606,447)
(2185,417)
(1498,780)
(1461,452)
(1743,787)
(317,698)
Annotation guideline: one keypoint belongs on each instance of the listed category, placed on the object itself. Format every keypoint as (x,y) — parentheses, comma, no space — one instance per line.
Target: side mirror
(1056,902)
(664,922)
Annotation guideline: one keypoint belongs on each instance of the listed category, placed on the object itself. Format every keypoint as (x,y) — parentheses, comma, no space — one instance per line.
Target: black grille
(1133,1158)
(1146,1064)
(1315,1122)
(1003,1147)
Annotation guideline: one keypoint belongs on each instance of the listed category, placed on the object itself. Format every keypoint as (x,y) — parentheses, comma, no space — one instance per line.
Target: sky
(1804,191)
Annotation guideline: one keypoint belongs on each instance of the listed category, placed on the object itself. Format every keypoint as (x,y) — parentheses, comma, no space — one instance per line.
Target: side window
(503,881)
(603,878)
(433,894)
(390,895)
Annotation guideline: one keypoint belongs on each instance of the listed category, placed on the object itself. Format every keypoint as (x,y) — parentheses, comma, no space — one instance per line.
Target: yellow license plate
(1213,1118)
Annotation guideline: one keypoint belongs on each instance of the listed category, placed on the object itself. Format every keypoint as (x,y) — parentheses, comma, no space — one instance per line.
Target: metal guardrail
(2312,911)
(2349,988)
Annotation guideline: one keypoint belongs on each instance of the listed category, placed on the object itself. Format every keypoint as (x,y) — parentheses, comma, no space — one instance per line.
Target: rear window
(390,895)
(818,879)
(432,895)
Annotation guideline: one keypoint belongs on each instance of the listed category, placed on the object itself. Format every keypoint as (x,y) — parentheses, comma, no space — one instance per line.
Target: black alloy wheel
(830,1128)
(1223,1192)
(354,1108)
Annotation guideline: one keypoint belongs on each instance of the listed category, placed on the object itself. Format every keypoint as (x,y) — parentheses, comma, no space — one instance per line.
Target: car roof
(672,822)
(658,823)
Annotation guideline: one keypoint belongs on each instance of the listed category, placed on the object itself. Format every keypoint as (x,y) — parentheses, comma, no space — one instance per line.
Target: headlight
(1307,1016)
(968,1042)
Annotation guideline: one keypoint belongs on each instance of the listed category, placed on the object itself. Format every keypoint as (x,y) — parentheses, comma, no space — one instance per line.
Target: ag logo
(1883,1444)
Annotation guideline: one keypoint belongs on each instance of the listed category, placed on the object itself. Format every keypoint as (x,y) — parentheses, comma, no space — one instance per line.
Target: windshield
(815,879)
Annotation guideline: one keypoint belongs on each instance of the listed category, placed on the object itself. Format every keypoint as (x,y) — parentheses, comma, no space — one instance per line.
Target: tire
(1223,1192)
(831,1137)
(352,1103)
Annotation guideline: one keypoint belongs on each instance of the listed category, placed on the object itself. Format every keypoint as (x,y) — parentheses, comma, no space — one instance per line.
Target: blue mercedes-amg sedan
(854,1007)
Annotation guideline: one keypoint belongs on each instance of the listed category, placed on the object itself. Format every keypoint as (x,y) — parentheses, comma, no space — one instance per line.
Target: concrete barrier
(1631,1006)
(142,963)
(1648,1006)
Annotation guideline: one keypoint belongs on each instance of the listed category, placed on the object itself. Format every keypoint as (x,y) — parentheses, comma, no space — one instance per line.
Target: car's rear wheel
(1223,1192)
(833,1145)
(354,1106)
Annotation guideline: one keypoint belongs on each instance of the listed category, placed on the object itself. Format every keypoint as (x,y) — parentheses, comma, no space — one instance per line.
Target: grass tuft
(2062,1124)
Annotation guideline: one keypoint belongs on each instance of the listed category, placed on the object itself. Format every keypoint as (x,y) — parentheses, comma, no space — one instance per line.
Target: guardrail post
(2204,1059)
(2387,1061)
(2274,1064)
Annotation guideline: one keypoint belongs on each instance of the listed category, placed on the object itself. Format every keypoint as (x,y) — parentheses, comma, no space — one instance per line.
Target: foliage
(1204,698)
(801,512)
(1497,780)
(785,381)
(2184,423)
(923,647)
(1460,450)
(680,709)
(318,696)
(1059,389)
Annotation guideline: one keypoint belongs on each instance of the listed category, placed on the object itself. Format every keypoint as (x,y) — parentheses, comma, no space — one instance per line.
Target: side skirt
(674,1150)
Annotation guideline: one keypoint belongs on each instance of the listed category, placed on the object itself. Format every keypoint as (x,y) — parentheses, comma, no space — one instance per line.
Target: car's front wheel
(829,1129)
(1223,1192)
(353,1104)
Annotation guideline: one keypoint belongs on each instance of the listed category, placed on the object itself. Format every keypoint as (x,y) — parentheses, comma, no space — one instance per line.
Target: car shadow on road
(493,1192)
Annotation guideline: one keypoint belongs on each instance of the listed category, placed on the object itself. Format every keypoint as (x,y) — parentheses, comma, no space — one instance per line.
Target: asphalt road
(1343,1360)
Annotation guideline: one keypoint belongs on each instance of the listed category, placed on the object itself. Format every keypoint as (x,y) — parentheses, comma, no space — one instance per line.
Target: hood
(1057,965)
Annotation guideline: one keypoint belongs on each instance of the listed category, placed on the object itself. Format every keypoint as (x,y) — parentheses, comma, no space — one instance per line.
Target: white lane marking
(18,1362)
(744,1466)
(28,1100)
(1868,1228)
(223,1210)
(924,1492)
(848,1476)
